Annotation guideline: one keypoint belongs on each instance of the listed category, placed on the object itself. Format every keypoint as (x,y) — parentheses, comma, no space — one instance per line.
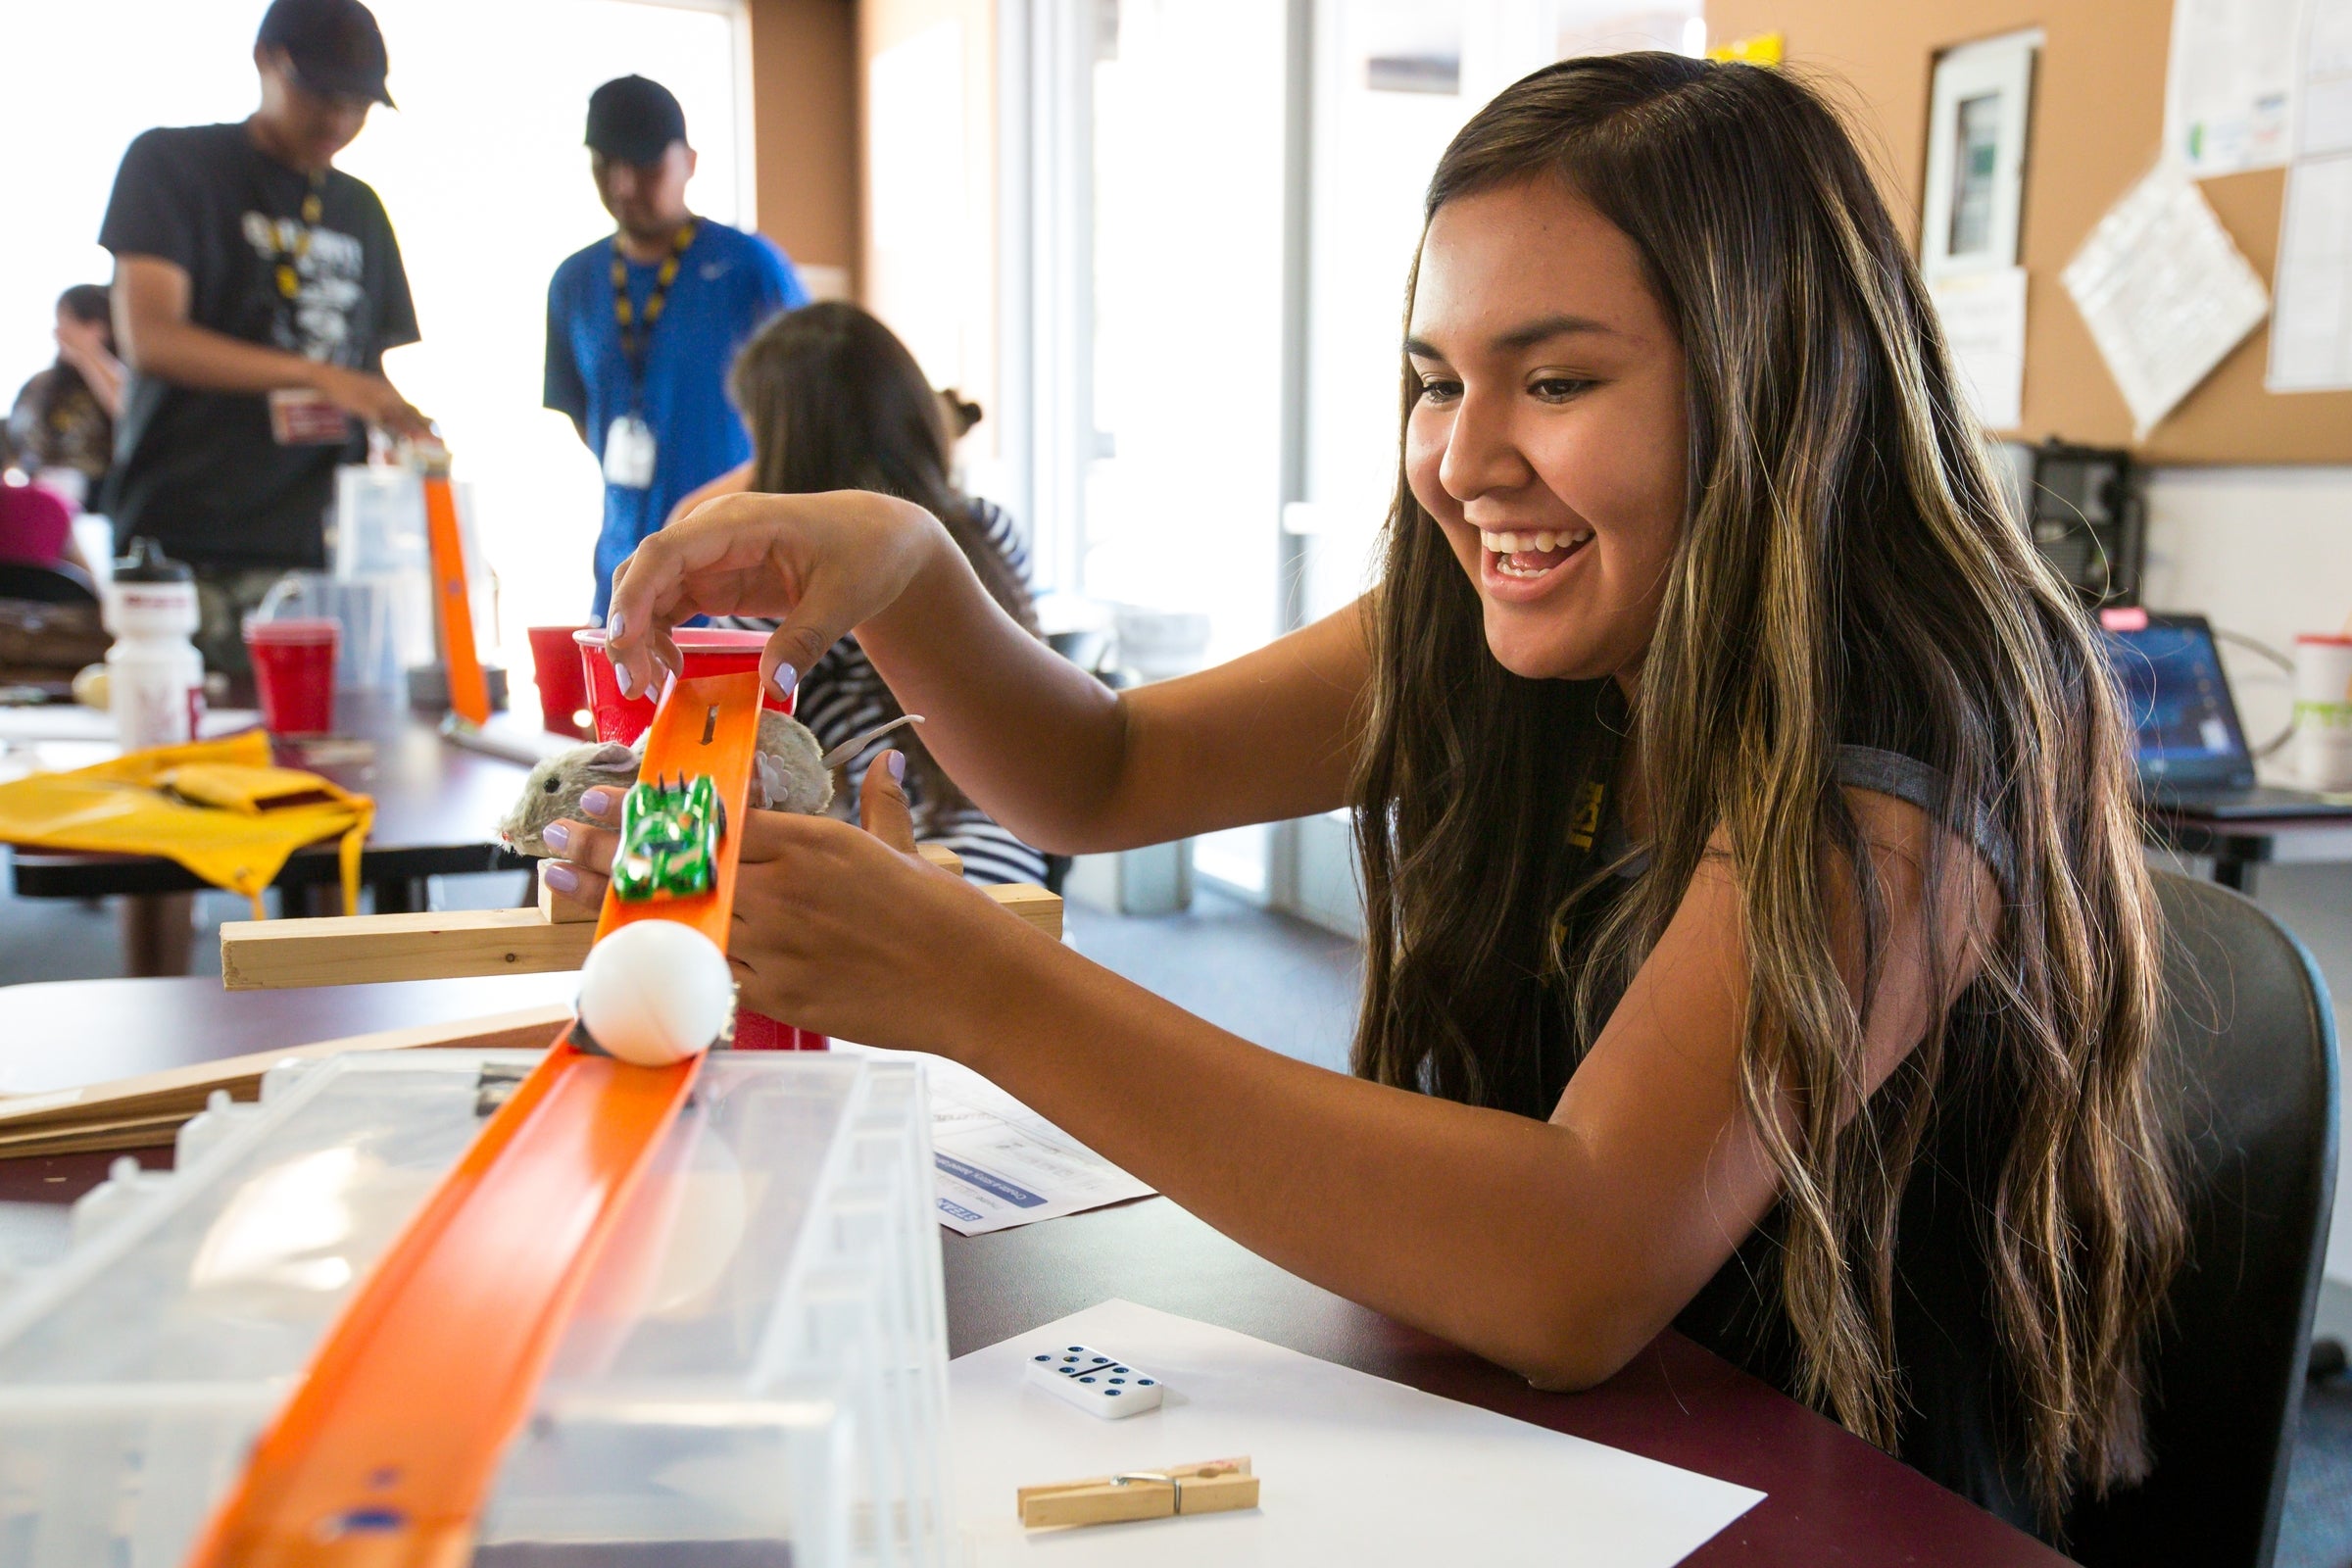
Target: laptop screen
(2178,701)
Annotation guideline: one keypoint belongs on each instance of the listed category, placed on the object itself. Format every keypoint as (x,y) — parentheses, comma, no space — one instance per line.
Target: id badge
(299,417)
(629,452)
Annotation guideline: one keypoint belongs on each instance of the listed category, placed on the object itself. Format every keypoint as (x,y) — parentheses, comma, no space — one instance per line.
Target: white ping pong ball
(655,992)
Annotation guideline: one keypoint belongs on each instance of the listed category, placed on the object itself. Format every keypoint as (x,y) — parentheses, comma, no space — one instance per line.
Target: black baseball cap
(337,49)
(632,119)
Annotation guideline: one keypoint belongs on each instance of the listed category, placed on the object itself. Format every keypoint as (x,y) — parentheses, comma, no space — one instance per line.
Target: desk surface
(2277,840)
(1832,1498)
(437,808)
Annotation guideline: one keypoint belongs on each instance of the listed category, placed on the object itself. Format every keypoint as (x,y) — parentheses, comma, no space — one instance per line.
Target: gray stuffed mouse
(788,773)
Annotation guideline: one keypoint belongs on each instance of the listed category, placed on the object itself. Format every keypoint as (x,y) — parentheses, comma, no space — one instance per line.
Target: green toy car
(669,837)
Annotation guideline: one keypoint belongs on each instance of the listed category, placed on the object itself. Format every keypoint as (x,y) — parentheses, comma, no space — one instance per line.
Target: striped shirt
(844,695)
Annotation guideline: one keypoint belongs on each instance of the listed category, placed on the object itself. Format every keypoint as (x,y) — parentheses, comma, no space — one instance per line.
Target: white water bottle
(155,677)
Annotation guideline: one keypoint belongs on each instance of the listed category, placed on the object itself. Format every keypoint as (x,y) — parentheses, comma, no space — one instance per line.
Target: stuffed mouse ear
(612,758)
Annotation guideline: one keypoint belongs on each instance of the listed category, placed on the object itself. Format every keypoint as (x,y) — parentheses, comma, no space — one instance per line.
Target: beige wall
(805,74)
(939,289)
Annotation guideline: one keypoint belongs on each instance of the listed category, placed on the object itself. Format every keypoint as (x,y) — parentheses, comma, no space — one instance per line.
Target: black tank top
(1958,1421)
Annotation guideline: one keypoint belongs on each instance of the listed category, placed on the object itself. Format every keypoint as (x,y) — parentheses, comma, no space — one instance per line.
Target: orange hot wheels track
(383,1454)
(469,689)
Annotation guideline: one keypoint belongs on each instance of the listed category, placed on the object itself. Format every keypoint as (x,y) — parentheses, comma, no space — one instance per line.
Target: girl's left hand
(846,932)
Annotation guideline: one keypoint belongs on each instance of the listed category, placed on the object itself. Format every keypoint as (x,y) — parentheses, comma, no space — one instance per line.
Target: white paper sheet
(2311,331)
(2230,84)
(2311,341)
(1983,317)
(2165,292)
(1001,1164)
(1355,1470)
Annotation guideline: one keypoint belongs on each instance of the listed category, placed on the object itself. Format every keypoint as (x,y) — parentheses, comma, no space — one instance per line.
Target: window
(1211,317)
(482,171)
(1394,80)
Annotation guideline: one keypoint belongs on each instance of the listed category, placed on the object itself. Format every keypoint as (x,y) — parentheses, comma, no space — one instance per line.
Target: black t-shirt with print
(199,471)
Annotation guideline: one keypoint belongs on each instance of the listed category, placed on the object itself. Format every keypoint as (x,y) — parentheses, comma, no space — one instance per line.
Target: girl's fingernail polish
(563,878)
(785,678)
(557,836)
(896,762)
(616,627)
(595,803)
(625,677)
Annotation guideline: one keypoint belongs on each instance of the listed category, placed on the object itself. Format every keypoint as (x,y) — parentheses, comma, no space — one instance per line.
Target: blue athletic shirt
(729,285)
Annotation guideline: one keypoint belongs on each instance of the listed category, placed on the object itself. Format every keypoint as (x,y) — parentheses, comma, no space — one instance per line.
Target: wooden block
(143,1111)
(1033,903)
(350,950)
(941,855)
(557,910)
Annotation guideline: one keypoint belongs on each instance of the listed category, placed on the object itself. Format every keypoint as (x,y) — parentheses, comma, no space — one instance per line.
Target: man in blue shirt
(641,327)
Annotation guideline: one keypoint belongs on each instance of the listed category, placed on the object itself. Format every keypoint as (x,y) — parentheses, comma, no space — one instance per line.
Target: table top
(1830,1498)
(2276,839)
(437,807)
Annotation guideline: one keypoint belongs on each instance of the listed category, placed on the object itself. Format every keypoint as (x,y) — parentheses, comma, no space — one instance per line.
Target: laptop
(2192,750)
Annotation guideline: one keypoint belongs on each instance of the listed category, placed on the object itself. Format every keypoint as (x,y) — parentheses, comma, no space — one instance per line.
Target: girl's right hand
(822,565)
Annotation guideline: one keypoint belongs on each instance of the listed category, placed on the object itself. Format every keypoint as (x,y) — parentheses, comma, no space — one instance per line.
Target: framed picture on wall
(1978,117)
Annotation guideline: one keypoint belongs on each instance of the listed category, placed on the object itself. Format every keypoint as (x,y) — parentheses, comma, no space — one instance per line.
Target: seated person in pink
(37,526)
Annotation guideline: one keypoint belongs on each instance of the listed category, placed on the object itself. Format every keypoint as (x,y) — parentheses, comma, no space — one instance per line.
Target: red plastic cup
(294,670)
(704,650)
(563,683)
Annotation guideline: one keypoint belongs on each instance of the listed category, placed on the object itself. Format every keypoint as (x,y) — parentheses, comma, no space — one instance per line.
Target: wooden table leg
(2236,873)
(402,895)
(159,933)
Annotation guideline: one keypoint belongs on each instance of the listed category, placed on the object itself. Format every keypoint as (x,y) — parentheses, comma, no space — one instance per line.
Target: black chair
(58,583)
(2253,1037)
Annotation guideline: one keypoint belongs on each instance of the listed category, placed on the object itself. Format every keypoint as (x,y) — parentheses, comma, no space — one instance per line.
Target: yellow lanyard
(634,347)
(289,278)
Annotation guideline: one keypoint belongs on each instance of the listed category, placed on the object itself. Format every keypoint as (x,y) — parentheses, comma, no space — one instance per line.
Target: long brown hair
(834,401)
(1847,573)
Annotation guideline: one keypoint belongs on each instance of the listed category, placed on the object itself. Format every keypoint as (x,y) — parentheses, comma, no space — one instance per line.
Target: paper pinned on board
(2311,331)
(1357,1470)
(1983,317)
(999,1164)
(2228,84)
(2165,293)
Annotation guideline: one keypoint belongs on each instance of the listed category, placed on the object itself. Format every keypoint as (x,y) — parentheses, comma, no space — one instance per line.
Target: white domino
(1099,1385)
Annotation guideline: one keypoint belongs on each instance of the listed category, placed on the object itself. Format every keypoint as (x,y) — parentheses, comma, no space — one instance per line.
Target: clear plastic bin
(757,1372)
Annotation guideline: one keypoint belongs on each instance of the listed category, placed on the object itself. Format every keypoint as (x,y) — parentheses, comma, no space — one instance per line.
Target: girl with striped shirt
(834,401)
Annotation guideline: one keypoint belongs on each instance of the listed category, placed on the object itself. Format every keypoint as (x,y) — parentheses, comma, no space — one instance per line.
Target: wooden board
(355,950)
(2098,116)
(144,1112)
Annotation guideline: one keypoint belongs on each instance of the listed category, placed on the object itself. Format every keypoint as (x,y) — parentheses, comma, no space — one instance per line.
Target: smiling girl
(1759,940)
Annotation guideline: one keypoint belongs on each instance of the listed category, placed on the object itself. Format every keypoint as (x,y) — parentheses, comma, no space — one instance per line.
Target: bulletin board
(2097,119)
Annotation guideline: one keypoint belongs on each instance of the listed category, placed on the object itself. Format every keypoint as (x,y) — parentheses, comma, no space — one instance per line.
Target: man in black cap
(641,328)
(256,290)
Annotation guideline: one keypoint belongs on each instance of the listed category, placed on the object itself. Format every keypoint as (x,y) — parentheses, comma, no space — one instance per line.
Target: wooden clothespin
(1214,1486)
